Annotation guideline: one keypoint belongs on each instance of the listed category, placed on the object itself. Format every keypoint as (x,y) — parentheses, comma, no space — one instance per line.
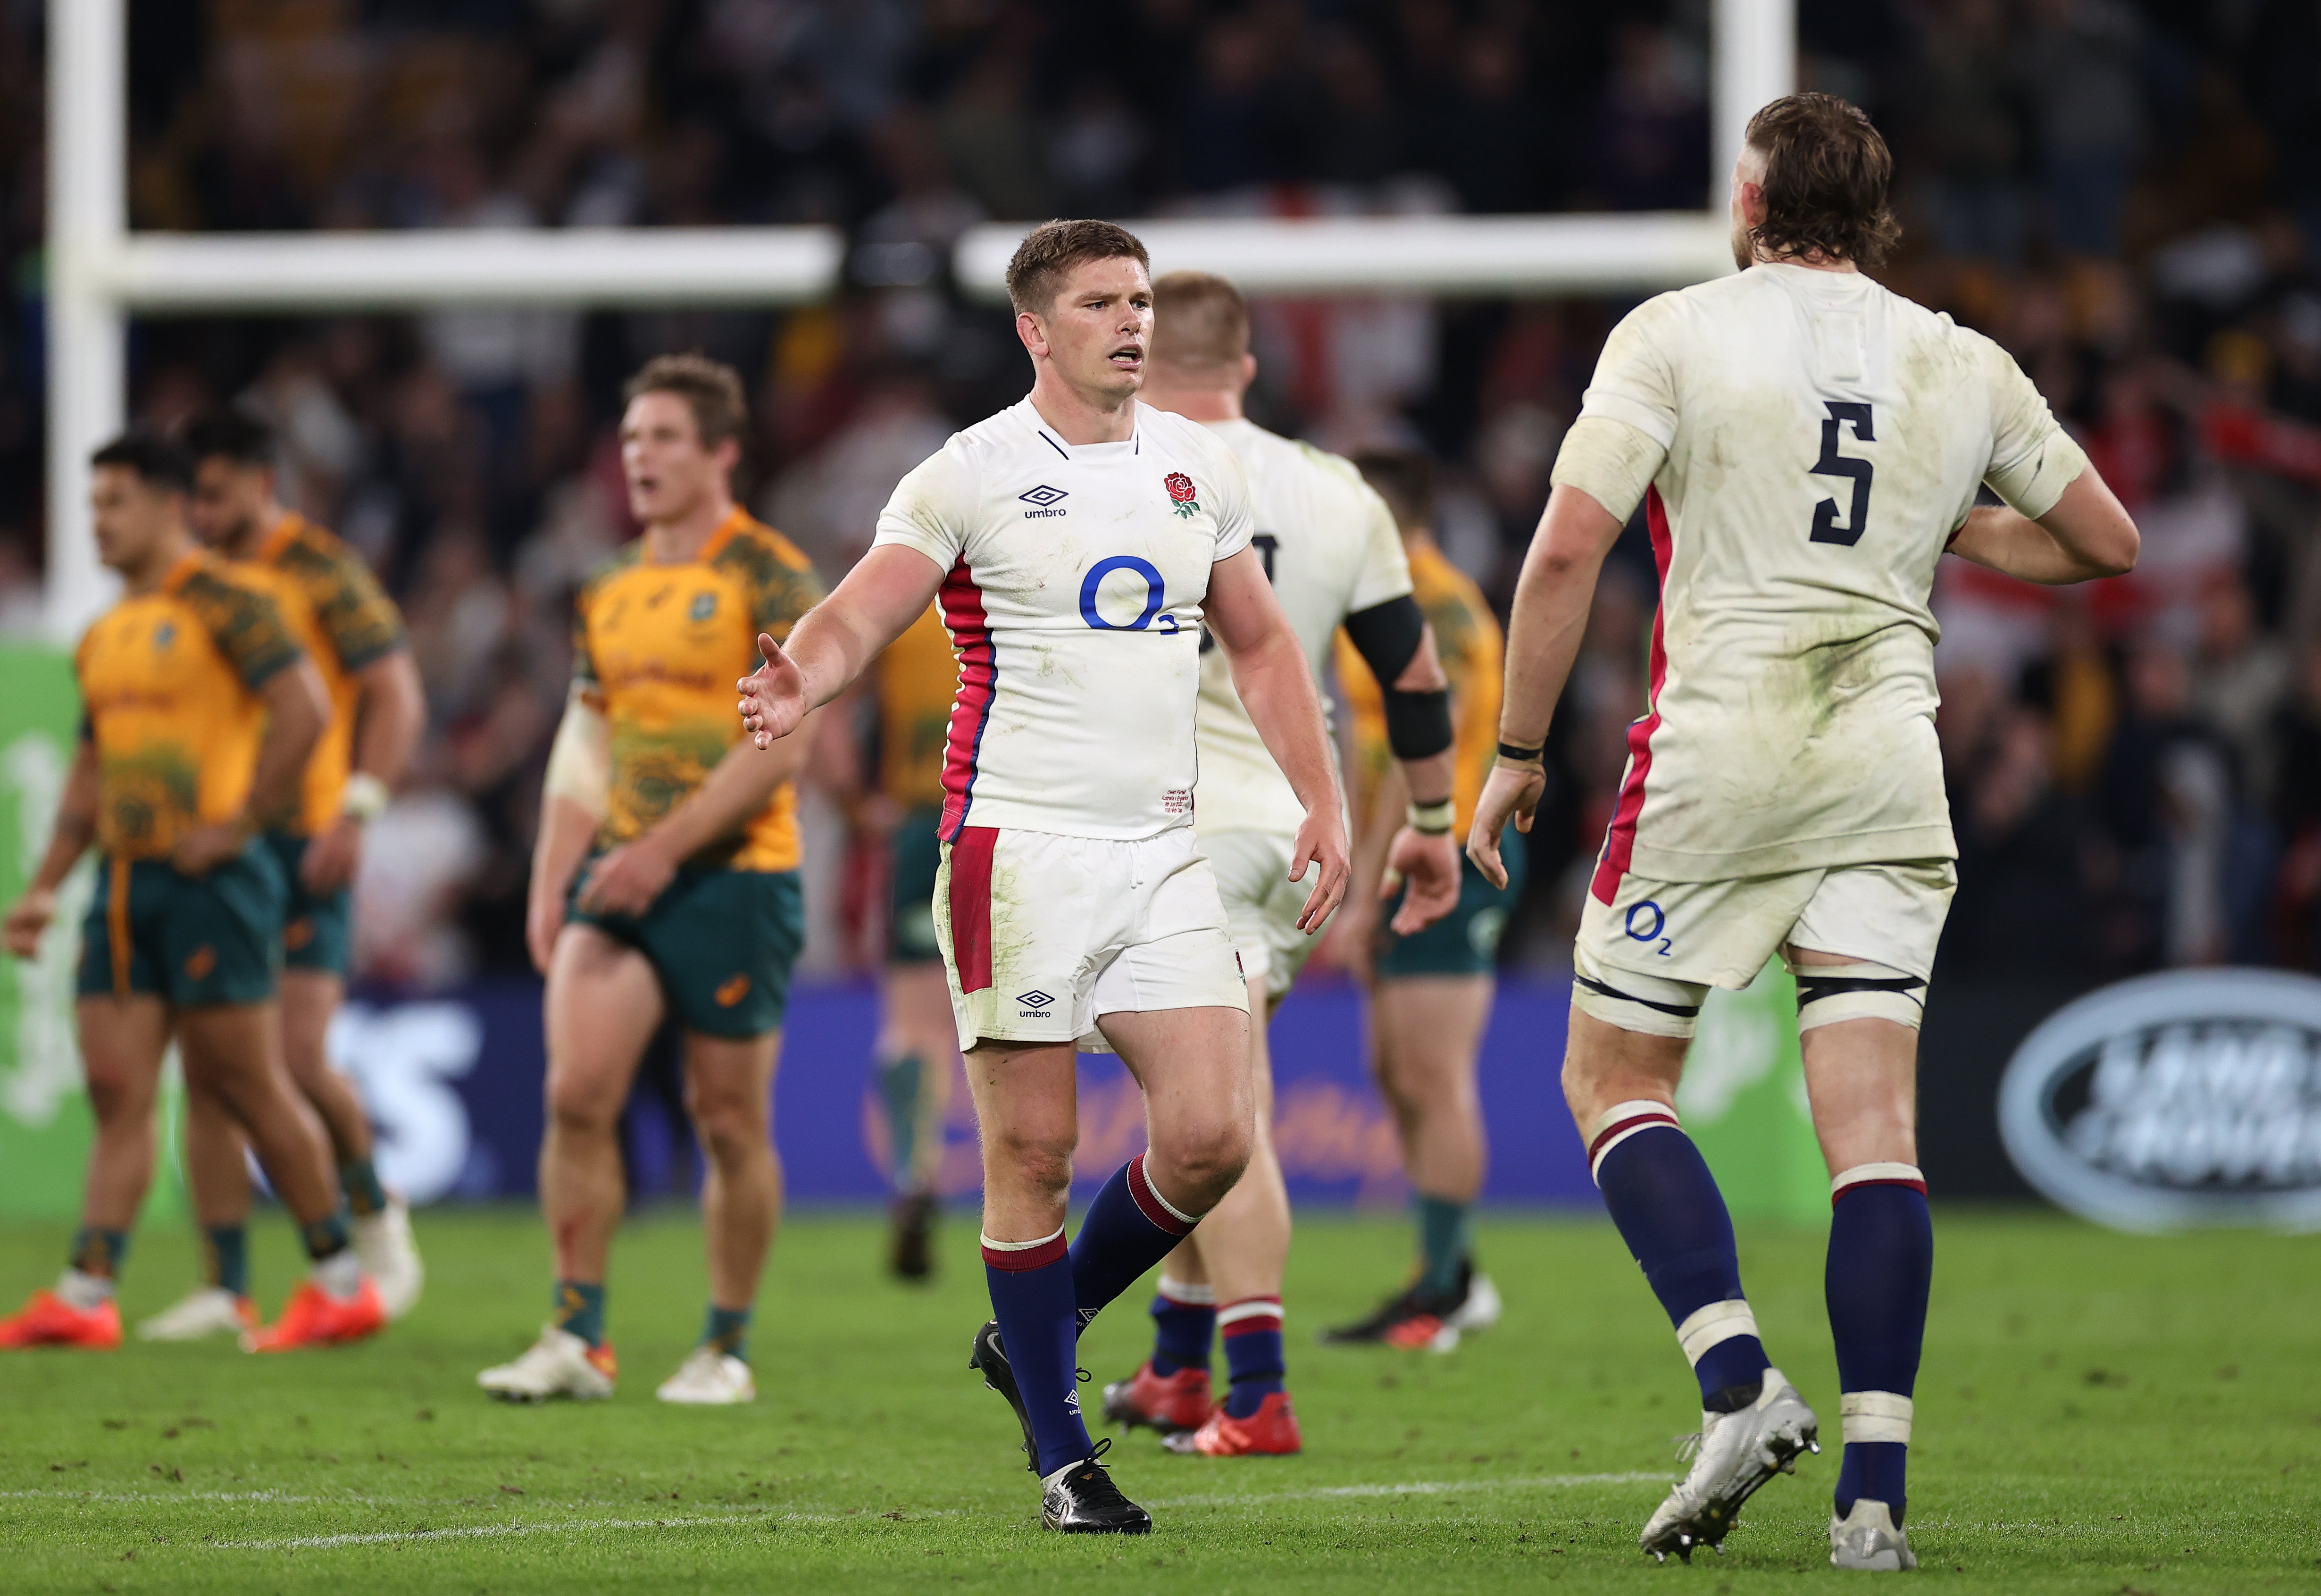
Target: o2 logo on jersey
(1155,595)
(1645,924)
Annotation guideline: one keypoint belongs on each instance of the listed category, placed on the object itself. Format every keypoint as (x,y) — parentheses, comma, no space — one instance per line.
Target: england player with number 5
(1078,543)
(1807,446)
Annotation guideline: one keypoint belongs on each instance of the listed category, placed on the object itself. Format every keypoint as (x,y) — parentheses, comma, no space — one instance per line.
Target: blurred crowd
(2126,196)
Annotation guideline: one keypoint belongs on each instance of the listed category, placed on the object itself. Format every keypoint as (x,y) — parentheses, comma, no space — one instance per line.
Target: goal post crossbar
(99,272)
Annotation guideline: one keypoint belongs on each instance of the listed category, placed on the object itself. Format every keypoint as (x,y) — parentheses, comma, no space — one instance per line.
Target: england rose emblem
(1182,493)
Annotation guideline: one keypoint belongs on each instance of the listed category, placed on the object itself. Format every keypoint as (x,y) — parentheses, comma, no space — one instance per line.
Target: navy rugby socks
(1670,1212)
(1253,1335)
(1032,1298)
(1881,1265)
(1129,1228)
(1184,1327)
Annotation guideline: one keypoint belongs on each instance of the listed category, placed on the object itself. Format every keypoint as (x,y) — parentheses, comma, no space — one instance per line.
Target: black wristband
(1524,756)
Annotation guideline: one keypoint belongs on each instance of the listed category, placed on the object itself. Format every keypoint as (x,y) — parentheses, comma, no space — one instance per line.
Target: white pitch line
(1409,1488)
(302,1543)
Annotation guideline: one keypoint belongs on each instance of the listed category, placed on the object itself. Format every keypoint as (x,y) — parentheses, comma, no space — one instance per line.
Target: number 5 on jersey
(1825,529)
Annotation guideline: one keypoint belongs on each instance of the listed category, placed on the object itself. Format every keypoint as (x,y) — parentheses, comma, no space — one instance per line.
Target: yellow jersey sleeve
(918,680)
(351,610)
(243,622)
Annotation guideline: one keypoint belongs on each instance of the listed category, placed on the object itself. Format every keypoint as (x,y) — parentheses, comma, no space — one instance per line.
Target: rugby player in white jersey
(1331,549)
(1807,446)
(1079,542)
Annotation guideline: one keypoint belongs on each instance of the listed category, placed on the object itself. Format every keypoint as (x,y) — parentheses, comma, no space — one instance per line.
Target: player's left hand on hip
(205,848)
(330,857)
(773,696)
(1512,793)
(1429,865)
(626,880)
(1321,843)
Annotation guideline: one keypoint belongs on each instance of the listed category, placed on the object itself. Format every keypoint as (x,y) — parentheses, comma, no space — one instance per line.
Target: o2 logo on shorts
(1641,929)
(1155,595)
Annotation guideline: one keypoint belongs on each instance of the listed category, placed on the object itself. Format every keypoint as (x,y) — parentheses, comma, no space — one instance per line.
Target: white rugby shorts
(1683,937)
(1263,904)
(1043,935)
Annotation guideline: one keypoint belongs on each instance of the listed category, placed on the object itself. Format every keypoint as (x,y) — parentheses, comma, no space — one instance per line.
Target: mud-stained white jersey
(1820,440)
(1073,598)
(1329,549)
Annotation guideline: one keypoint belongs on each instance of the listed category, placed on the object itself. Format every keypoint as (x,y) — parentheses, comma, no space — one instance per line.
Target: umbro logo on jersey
(1036,1000)
(1042,500)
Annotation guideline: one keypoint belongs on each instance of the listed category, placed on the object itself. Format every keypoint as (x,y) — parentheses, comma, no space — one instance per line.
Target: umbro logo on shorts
(1033,1001)
(1042,500)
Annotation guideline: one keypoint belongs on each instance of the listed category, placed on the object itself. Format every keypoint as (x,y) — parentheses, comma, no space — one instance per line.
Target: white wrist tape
(580,763)
(1875,1416)
(1704,1327)
(364,798)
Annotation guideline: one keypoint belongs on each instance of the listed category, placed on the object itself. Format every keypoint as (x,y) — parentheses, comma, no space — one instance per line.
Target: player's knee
(111,1091)
(577,1104)
(1032,1164)
(1205,1160)
(729,1125)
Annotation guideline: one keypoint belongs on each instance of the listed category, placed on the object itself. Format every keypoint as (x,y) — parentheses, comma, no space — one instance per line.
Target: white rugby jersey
(1823,439)
(1329,549)
(1077,574)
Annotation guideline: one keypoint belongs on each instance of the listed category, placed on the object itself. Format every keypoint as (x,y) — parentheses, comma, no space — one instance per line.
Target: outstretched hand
(1512,793)
(773,696)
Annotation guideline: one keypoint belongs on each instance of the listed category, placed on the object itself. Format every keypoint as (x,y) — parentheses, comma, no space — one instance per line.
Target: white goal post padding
(99,273)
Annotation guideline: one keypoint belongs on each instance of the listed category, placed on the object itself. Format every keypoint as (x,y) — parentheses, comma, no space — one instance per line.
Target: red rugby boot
(313,1318)
(47,1320)
(1269,1432)
(1171,1404)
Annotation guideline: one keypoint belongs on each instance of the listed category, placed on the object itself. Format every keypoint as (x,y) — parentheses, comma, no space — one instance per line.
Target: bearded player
(1329,547)
(664,884)
(350,629)
(1079,542)
(1807,446)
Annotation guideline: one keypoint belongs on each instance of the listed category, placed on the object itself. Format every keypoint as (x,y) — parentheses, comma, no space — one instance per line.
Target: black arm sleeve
(1386,635)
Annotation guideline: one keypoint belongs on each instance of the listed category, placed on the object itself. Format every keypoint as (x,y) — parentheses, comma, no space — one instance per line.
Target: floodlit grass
(2098,1414)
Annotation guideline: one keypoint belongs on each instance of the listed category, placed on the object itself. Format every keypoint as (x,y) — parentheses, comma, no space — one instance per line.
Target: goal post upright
(98,272)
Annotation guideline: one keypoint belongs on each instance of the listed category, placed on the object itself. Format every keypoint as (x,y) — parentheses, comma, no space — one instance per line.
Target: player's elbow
(2115,550)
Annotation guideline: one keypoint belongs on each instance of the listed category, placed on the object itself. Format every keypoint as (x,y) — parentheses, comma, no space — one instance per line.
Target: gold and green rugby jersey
(1467,638)
(170,680)
(918,678)
(657,648)
(344,620)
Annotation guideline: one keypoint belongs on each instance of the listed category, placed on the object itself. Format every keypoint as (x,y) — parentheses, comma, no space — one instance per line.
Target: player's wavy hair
(710,389)
(1826,174)
(1036,273)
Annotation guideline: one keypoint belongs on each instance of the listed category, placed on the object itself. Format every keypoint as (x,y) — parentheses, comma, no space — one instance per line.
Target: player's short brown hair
(1036,273)
(1199,321)
(1405,478)
(710,389)
(1826,174)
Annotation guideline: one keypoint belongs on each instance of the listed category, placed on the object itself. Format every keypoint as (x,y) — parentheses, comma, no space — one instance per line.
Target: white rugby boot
(709,1379)
(1732,1456)
(201,1313)
(1480,1311)
(390,1257)
(559,1364)
(1869,1539)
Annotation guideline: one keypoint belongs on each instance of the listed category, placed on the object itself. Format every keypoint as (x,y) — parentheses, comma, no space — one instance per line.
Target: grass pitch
(2098,1414)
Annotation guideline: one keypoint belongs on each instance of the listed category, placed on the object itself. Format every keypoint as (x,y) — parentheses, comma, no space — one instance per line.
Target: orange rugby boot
(48,1320)
(313,1318)
(1171,1404)
(1269,1432)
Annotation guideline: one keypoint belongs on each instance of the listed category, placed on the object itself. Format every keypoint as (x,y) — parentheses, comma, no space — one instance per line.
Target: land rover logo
(2176,1100)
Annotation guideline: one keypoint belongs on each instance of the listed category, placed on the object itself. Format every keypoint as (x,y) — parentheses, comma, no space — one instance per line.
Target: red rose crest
(1182,493)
